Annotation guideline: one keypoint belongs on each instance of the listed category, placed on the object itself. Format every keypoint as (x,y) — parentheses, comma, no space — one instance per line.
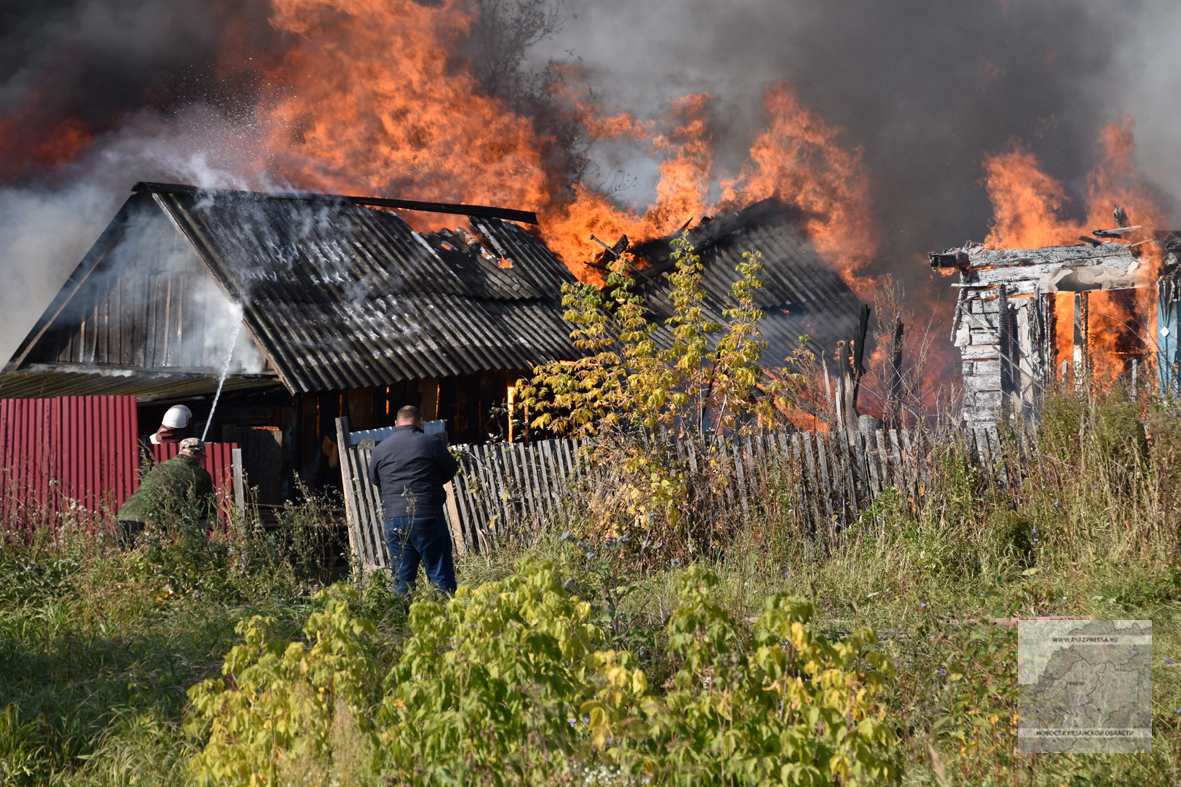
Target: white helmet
(177,416)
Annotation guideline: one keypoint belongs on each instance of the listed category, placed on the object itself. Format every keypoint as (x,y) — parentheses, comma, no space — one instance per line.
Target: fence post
(239,483)
(352,515)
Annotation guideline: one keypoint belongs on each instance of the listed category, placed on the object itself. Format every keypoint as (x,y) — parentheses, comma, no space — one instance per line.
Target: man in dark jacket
(167,488)
(409,470)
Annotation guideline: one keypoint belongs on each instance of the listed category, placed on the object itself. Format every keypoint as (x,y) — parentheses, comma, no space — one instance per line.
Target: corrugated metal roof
(337,293)
(802,294)
(40,382)
(342,295)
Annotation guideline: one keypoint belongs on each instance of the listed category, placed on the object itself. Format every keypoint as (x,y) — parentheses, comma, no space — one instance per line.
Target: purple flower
(923,605)
(1055,504)
(1169,661)
(942,671)
(1035,541)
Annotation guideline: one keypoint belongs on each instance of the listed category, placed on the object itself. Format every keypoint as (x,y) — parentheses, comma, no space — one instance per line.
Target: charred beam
(894,398)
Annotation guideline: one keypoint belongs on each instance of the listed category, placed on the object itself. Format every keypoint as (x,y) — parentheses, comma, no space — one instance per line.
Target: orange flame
(1027,213)
(367,99)
(1027,202)
(376,97)
(681,194)
(798,159)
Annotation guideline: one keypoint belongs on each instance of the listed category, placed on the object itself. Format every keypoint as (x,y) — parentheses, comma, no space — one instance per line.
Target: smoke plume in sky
(926,89)
(98,94)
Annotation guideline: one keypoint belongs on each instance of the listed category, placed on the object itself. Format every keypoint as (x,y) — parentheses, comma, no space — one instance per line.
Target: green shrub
(502,685)
(282,708)
(794,709)
(489,684)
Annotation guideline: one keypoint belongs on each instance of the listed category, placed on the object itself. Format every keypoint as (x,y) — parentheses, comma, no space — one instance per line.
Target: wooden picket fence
(505,490)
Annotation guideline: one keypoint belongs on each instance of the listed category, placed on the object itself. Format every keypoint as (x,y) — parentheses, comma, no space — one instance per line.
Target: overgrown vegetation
(655,395)
(661,634)
(98,647)
(101,650)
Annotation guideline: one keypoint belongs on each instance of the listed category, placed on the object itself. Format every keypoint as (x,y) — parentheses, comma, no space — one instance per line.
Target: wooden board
(505,490)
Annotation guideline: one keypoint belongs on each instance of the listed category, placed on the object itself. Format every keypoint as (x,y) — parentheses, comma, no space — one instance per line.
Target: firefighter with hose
(168,489)
(174,427)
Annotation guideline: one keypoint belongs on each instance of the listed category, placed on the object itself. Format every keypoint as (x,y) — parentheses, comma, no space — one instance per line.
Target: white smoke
(221,325)
(45,232)
(42,236)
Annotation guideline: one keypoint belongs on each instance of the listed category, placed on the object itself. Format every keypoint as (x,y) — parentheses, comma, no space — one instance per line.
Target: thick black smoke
(925,88)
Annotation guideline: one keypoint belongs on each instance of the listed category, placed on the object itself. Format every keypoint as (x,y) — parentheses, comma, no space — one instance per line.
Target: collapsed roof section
(1021,314)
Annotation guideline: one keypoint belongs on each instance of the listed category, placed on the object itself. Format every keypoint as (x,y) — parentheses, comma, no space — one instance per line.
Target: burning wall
(1027,317)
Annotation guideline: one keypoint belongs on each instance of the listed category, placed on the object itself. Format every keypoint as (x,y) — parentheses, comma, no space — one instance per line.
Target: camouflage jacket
(168,487)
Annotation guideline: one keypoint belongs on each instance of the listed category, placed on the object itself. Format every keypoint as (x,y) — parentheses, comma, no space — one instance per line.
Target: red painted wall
(70,454)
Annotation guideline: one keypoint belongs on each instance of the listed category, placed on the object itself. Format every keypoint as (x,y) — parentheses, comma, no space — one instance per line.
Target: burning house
(335,306)
(1106,308)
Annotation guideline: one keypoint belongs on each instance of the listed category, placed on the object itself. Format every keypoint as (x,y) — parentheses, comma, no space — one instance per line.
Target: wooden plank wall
(506,490)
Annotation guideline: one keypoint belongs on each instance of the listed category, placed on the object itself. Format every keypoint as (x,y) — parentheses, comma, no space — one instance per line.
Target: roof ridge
(484,211)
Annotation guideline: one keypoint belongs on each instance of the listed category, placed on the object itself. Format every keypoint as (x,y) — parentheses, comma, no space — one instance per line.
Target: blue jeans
(420,539)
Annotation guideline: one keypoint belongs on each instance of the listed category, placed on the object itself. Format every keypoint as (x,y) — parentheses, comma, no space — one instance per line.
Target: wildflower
(624,539)
(942,671)
(1169,661)
(1035,541)
(1055,504)
(566,536)
(923,605)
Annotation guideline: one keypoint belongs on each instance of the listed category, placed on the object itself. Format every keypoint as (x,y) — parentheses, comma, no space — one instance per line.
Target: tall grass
(98,646)
(1085,523)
